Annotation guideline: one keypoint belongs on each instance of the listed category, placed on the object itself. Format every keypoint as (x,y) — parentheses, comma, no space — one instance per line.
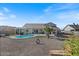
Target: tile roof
(38,25)
(76,27)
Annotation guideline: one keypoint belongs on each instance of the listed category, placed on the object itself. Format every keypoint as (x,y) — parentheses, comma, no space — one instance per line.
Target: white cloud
(1,14)
(67,6)
(69,11)
(12,16)
(48,9)
(6,17)
(6,9)
(3,17)
(61,15)
(68,15)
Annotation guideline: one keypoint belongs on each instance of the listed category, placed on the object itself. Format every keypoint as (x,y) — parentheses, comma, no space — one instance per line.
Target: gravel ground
(28,47)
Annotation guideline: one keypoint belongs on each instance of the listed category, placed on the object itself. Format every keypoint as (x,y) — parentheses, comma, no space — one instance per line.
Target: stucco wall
(68,28)
(76,32)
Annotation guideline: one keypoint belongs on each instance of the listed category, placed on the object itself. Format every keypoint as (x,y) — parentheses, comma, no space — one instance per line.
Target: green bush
(72,46)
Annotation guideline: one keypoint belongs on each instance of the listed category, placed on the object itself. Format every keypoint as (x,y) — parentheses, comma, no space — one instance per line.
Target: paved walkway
(28,47)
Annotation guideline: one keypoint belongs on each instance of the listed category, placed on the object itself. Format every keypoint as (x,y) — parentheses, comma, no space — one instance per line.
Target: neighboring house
(7,30)
(71,28)
(38,28)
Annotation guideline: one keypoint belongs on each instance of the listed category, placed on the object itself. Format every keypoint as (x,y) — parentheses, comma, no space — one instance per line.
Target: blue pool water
(24,36)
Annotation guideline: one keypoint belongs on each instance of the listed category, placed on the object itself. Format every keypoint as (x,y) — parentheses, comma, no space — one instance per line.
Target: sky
(18,14)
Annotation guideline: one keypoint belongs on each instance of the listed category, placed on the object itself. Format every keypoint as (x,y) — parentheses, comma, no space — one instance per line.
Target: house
(72,28)
(8,30)
(31,28)
(38,28)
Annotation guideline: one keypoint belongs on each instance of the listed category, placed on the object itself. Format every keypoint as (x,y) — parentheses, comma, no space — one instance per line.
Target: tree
(48,30)
(19,31)
(26,31)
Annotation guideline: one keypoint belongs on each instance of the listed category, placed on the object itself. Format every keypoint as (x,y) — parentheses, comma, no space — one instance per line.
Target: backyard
(28,47)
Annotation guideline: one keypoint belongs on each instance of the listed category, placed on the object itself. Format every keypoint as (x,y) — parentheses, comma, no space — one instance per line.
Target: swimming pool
(24,36)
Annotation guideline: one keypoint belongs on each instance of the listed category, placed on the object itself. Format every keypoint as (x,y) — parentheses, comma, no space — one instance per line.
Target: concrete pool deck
(34,35)
(9,47)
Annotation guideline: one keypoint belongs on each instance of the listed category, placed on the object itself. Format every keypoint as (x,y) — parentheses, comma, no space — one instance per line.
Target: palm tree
(48,30)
